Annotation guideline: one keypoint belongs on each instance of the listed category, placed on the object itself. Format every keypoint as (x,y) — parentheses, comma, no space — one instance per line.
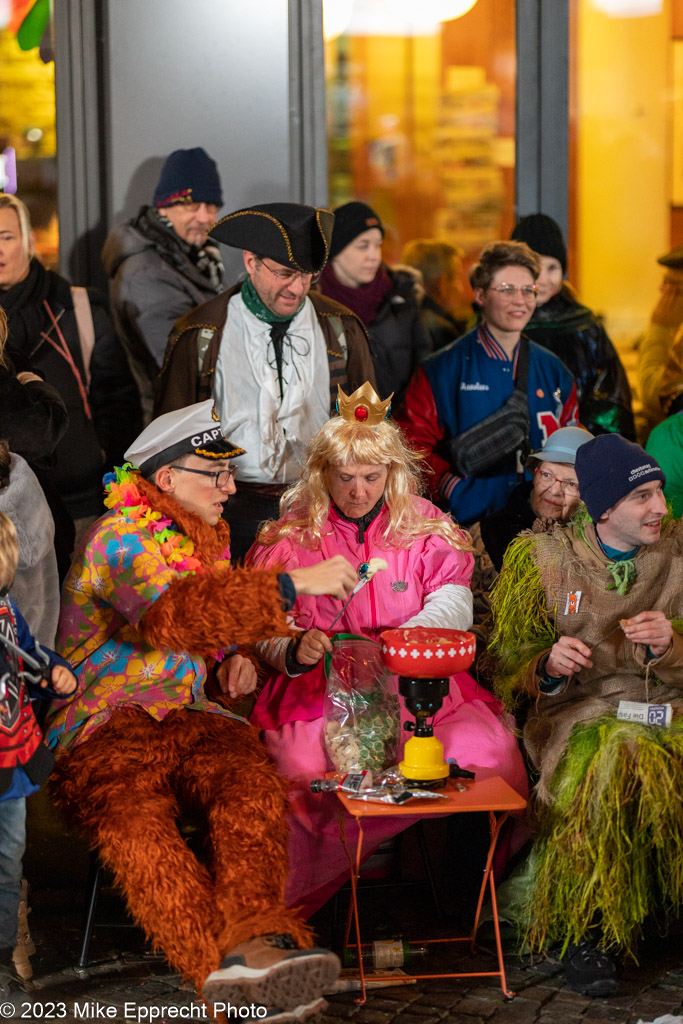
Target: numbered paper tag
(646,714)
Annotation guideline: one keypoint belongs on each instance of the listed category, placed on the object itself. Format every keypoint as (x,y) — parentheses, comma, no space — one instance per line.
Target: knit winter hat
(351,220)
(542,234)
(188,176)
(608,468)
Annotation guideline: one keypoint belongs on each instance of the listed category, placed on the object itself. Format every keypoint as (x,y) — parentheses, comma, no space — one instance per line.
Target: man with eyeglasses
(270,352)
(588,628)
(478,407)
(160,264)
(159,629)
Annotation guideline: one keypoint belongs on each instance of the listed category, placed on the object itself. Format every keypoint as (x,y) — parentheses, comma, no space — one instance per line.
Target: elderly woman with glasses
(358,497)
(477,406)
(549,494)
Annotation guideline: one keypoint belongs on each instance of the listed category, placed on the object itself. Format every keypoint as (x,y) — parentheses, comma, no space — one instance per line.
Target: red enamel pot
(427,653)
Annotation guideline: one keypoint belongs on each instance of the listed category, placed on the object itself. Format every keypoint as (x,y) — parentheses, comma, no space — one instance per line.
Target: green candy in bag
(361,709)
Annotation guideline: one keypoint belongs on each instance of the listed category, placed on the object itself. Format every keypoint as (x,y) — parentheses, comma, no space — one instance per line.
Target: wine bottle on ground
(385,953)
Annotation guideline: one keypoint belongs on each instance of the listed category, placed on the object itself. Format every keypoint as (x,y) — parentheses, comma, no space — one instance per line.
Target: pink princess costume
(426,584)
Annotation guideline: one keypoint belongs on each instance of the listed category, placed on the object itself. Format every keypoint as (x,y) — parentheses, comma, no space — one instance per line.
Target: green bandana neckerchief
(253,302)
(623,573)
(279,325)
(621,567)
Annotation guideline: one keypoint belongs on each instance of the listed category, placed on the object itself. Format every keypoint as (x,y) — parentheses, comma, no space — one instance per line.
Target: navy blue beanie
(188,176)
(608,468)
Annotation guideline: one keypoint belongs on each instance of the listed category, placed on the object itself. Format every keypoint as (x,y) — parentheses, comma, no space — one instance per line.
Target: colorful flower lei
(123,495)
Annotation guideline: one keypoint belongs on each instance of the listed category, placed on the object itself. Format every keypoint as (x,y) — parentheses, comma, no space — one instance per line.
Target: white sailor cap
(195,429)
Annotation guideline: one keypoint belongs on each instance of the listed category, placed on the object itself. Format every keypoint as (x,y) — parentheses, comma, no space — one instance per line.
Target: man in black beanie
(269,353)
(589,623)
(160,263)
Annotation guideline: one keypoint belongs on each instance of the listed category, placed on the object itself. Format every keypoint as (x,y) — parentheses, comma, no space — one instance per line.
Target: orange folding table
(497,799)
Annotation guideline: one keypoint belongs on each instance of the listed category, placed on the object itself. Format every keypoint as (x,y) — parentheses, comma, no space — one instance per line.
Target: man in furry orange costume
(151,613)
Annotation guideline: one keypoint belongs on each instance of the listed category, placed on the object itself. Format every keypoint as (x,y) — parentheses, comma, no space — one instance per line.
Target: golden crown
(363,406)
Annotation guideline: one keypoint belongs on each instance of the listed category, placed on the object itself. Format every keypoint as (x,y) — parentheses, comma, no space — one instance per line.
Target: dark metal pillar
(542,152)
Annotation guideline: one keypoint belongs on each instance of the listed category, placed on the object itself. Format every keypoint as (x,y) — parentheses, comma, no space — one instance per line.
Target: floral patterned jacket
(149,598)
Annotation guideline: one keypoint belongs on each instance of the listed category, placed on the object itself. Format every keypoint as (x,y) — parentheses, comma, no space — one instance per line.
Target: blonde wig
(9,551)
(343,443)
(25,229)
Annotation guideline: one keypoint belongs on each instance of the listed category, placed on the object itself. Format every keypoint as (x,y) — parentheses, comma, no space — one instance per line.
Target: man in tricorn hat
(152,614)
(271,354)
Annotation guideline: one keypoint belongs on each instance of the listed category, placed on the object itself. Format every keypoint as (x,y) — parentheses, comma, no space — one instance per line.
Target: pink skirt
(471,732)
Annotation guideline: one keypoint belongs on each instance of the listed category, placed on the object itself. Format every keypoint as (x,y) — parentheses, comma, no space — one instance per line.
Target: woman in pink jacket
(358,497)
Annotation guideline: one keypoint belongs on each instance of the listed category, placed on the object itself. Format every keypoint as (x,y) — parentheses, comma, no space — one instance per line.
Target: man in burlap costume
(585,617)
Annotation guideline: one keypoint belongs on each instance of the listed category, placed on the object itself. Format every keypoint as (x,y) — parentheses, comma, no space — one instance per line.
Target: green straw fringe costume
(609,845)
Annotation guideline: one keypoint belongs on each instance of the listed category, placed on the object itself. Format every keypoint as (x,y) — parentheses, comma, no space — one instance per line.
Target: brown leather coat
(192,351)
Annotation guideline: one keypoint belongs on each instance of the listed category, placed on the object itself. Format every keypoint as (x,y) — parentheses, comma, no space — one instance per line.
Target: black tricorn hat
(673,258)
(291,234)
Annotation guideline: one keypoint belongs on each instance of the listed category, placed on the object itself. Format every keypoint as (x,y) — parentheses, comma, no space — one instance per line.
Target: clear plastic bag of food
(361,709)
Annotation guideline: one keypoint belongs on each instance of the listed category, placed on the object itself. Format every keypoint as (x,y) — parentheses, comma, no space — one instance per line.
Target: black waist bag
(486,445)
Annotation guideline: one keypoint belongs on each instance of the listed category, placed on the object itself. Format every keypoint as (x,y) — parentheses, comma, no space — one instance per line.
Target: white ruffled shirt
(274,433)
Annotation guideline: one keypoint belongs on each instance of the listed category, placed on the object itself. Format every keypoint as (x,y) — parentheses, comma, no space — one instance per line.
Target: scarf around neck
(206,259)
(23,304)
(252,300)
(279,325)
(364,300)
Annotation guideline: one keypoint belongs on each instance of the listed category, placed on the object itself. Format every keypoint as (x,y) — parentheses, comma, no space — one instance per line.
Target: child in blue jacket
(26,672)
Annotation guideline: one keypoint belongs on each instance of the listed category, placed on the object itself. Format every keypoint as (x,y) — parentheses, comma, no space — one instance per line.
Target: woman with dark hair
(561,324)
(384,299)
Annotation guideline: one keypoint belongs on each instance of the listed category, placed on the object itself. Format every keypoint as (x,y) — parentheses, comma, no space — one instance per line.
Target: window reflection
(28,163)
(421,117)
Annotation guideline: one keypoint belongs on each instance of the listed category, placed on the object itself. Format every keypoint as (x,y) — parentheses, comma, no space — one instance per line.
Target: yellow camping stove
(423,764)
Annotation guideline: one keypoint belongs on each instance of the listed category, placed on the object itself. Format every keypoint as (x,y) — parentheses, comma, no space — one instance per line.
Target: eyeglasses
(509,291)
(220,479)
(566,486)
(289,276)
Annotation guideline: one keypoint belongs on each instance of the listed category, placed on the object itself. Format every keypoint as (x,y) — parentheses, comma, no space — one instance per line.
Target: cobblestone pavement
(134,986)
(124,983)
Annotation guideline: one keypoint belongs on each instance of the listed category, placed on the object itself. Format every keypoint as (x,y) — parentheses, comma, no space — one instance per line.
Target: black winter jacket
(398,338)
(577,337)
(499,528)
(90,443)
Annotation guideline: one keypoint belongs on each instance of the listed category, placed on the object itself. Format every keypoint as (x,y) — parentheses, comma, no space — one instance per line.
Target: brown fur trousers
(127,785)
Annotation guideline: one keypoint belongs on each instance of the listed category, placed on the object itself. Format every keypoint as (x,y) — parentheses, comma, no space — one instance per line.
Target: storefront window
(626,144)
(421,102)
(28,165)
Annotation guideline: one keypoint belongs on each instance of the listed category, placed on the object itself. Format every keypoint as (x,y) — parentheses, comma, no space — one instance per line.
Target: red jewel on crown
(361,413)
